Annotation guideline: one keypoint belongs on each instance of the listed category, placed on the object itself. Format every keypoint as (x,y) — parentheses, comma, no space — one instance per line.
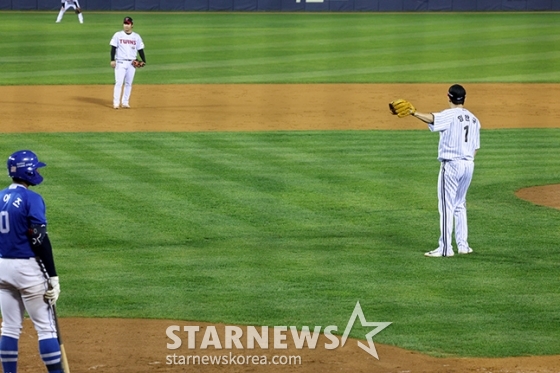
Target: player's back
(19,208)
(459,134)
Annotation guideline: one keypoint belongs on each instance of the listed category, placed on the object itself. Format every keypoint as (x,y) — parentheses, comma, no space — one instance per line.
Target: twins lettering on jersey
(127,45)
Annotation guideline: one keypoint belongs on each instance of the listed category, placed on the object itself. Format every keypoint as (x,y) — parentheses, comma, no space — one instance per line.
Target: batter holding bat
(28,278)
(459,140)
(125,45)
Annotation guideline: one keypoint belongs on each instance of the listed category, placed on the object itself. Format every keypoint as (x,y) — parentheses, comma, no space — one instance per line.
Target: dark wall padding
(294,5)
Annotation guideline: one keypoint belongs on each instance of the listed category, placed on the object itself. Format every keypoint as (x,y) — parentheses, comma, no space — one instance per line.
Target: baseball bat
(63,356)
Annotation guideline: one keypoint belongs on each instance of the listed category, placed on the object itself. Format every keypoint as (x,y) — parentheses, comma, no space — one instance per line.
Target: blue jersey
(19,209)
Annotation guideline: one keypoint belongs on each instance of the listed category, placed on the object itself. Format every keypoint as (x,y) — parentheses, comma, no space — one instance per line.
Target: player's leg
(80,16)
(61,14)
(41,315)
(461,226)
(12,321)
(447,188)
(129,78)
(120,72)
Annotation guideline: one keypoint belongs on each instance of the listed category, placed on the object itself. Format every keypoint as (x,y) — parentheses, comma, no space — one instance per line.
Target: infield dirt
(137,346)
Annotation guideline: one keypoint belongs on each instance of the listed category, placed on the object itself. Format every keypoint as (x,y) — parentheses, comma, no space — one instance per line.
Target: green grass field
(292,228)
(286,48)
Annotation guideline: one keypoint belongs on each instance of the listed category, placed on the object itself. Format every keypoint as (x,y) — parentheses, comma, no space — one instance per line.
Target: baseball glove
(78,10)
(138,64)
(401,108)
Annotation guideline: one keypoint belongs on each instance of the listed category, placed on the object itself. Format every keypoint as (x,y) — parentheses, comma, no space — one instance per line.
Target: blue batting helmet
(23,165)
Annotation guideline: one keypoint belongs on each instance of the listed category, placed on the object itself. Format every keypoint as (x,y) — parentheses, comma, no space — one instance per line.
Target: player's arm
(113,54)
(142,55)
(41,245)
(424,117)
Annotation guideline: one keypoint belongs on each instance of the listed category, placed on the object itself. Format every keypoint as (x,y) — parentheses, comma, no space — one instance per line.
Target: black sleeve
(41,245)
(45,253)
(142,56)
(113,52)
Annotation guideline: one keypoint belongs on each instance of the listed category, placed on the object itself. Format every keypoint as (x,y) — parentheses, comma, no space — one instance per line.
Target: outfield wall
(293,5)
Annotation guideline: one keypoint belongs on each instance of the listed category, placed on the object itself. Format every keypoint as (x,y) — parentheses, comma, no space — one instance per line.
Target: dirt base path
(137,346)
(140,346)
(218,107)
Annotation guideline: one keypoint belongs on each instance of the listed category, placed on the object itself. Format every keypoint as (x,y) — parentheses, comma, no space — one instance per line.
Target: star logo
(379,326)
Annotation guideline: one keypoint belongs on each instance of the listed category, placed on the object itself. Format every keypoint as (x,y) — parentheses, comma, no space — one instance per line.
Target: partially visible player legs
(120,72)
(41,315)
(447,188)
(60,14)
(461,229)
(14,303)
(12,318)
(81,17)
(461,226)
(129,78)
(9,348)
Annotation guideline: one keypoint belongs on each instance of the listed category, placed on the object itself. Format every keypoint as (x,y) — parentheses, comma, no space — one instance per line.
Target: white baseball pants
(453,183)
(63,10)
(124,74)
(22,288)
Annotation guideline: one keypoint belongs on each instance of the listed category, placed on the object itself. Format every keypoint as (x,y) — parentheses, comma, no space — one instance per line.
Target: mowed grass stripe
(318,71)
(448,69)
(297,47)
(297,237)
(124,188)
(333,41)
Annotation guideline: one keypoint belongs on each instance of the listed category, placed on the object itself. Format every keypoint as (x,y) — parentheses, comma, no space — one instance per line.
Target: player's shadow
(93,100)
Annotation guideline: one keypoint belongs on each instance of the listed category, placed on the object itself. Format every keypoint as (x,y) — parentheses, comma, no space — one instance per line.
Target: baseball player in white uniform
(67,4)
(459,140)
(125,45)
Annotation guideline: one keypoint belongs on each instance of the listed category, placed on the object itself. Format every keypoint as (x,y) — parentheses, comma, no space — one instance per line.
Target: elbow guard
(37,234)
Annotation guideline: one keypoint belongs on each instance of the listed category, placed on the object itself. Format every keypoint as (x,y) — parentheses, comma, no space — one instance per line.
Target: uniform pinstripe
(459,140)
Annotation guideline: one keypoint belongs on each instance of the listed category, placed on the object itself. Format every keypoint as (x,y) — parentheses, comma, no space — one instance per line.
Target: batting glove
(54,290)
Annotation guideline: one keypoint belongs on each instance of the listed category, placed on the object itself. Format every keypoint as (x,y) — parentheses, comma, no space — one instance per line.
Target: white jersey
(459,134)
(70,3)
(127,45)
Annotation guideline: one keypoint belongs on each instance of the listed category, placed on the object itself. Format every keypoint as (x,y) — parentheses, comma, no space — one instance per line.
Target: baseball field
(260,180)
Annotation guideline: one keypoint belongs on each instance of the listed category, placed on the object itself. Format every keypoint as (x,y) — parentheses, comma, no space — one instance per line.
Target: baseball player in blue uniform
(28,278)
(459,141)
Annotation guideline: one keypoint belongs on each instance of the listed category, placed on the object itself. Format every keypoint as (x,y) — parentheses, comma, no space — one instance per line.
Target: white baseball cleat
(126,106)
(437,254)
(467,251)
(115,107)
